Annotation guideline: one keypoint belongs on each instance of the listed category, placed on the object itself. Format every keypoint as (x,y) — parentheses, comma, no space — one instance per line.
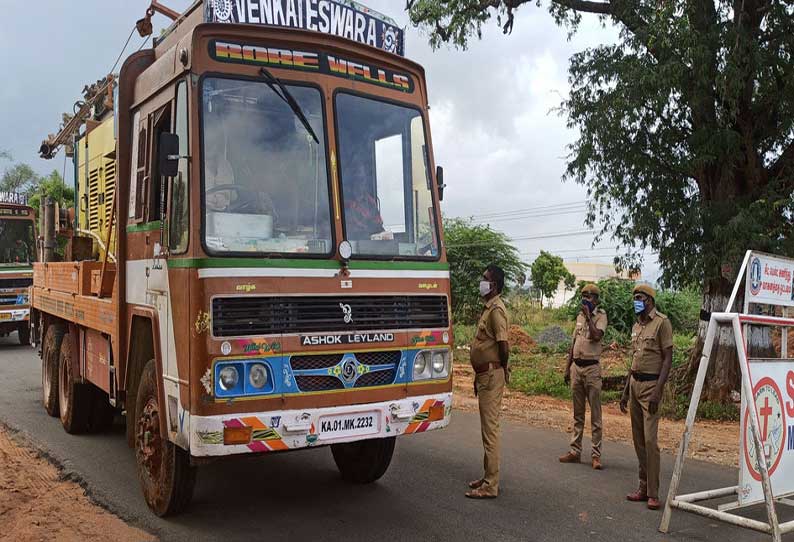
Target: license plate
(5,316)
(355,424)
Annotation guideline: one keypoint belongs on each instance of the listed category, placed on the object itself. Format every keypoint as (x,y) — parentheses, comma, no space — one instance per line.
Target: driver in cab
(362,211)
(223,194)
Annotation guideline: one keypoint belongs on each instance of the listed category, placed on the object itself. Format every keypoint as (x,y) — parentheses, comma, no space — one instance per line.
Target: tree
(52,186)
(18,178)
(470,249)
(686,133)
(546,272)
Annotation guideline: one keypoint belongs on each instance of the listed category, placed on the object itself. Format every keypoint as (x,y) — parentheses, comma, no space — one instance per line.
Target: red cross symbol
(766,412)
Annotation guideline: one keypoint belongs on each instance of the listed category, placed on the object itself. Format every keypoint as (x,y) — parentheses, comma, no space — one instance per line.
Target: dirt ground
(36,503)
(717,442)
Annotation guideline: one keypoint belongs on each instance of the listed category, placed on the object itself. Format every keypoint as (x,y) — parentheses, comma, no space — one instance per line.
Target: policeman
(489,356)
(583,372)
(652,359)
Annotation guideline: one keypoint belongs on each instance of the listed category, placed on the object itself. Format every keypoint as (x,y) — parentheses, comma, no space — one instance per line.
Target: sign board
(769,280)
(343,18)
(13,198)
(773,389)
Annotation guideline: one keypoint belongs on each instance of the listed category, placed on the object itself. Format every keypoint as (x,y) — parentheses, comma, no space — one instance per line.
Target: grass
(540,372)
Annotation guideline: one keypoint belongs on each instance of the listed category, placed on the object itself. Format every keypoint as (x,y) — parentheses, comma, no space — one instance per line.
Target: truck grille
(308,363)
(377,378)
(253,315)
(318,383)
(383,369)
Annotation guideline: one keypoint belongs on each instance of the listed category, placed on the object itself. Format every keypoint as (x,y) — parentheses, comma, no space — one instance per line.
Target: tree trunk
(724,375)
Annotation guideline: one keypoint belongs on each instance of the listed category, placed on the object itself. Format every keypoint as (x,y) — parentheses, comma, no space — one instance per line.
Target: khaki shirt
(583,346)
(491,329)
(648,341)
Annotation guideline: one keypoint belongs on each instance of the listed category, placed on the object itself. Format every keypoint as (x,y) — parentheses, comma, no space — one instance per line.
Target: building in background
(587,272)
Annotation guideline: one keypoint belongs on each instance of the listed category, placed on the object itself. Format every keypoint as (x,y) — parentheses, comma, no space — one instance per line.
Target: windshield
(385,182)
(265,177)
(16,242)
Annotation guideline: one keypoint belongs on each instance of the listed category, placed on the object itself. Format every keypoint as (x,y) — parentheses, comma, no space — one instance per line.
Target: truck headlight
(421,366)
(229,376)
(257,375)
(439,363)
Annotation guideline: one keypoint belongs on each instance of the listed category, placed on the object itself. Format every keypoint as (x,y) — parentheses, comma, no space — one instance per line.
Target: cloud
(491,121)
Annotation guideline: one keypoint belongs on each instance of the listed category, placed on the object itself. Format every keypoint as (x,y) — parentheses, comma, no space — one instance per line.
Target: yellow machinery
(96,180)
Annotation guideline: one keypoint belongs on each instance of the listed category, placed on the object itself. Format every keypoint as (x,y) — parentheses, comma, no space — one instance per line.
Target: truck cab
(17,254)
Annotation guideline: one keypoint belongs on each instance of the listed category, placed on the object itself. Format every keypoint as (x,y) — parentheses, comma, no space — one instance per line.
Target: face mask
(485,288)
(588,304)
(639,306)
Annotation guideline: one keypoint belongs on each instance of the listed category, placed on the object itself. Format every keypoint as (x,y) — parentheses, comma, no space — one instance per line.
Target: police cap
(645,289)
(591,289)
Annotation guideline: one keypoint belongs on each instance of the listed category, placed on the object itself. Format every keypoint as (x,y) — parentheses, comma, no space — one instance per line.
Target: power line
(528,238)
(558,206)
(530,215)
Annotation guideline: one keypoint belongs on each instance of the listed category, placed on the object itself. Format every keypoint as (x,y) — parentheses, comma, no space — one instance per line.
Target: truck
(257,262)
(17,254)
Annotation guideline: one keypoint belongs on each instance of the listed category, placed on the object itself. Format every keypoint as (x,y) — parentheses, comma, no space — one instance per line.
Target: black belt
(585,362)
(643,377)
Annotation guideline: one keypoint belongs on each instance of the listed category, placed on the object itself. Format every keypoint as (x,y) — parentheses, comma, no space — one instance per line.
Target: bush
(683,308)
(682,343)
(615,299)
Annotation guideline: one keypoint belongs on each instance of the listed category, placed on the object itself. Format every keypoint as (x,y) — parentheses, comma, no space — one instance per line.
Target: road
(299,496)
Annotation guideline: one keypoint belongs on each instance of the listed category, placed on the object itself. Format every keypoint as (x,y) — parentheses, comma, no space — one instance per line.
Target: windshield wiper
(285,95)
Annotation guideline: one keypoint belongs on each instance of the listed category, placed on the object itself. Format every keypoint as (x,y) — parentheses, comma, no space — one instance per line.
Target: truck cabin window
(265,177)
(16,242)
(388,203)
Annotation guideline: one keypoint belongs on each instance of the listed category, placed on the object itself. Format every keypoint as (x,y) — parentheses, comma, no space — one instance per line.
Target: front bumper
(14,315)
(295,429)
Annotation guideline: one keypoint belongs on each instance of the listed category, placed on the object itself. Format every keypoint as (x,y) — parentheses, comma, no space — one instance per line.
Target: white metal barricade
(761,449)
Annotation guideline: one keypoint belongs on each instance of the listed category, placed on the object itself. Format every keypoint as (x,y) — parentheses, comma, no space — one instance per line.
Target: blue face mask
(588,304)
(639,306)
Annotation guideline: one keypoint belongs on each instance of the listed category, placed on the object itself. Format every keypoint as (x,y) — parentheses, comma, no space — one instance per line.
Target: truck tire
(24,334)
(74,398)
(50,354)
(102,413)
(364,461)
(164,470)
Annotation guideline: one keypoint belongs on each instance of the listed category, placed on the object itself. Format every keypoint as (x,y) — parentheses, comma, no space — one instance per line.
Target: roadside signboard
(343,18)
(773,389)
(769,280)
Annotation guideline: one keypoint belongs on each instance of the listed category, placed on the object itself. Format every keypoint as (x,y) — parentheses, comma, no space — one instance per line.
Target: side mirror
(168,156)
(440,182)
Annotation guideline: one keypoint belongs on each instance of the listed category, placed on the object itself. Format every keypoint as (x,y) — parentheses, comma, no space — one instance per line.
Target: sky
(493,124)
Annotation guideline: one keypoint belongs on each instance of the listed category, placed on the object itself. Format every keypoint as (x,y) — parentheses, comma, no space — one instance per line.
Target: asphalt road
(299,495)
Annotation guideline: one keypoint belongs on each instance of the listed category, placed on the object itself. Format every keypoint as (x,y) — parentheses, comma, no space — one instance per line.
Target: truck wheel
(74,398)
(364,461)
(102,413)
(24,335)
(50,354)
(164,470)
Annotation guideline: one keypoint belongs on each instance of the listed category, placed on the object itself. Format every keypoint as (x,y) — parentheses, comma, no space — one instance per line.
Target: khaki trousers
(644,431)
(490,387)
(586,388)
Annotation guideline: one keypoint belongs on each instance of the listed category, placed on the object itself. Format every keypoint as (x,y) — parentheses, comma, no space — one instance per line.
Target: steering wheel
(241,203)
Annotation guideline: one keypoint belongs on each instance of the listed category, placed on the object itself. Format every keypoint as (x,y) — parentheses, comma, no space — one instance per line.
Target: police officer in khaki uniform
(489,356)
(652,359)
(583,372)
